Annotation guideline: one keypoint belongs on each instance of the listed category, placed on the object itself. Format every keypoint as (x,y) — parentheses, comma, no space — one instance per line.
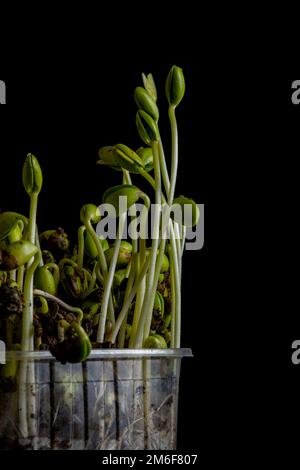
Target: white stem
(128,302)
(146,309)
(177,291)
(183,235)
(109,279)
(174,162)
(163,167)
(22,399)
(122,333)
(102,263)
(178,246)
(26,379)
(173,301)
(67,307)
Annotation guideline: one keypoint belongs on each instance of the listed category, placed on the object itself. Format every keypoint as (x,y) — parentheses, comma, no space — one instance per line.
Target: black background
(238,155)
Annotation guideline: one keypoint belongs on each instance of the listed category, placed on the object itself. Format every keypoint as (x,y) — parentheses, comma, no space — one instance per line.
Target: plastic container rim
(107,354)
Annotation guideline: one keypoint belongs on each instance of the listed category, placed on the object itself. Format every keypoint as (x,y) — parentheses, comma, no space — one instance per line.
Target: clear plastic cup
(117,399)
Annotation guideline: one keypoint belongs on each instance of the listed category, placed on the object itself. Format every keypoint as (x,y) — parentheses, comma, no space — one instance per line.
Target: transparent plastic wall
(117,399)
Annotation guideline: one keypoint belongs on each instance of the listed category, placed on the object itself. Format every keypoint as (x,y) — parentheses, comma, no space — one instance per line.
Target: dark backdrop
(64,117)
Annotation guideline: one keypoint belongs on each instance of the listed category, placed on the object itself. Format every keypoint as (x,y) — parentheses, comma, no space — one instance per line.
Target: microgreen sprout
(114,292)
(118,292)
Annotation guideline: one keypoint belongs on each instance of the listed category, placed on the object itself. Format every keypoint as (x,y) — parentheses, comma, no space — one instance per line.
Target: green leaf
(175,86)
(90,212)
(145,102)
(16,254)
(155,342)
(44,280)
(32,175)
(8,223)
(146,155)
(124,255)
(113,194)
(120,157)
(149,85)
(183,202)
(147,127)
